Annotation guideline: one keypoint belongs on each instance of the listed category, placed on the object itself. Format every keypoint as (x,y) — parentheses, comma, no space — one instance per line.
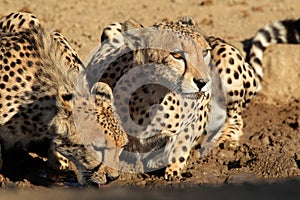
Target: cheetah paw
(228,143)
(171,175)
(58,162)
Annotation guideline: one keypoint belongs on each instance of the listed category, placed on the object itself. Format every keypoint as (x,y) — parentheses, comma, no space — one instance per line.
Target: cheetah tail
(286,31)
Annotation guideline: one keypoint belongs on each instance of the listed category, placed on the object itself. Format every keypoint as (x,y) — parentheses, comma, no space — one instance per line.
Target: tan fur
(228,84)
(39,83)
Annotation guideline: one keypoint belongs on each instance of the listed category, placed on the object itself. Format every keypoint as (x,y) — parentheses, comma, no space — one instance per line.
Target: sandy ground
(267,164)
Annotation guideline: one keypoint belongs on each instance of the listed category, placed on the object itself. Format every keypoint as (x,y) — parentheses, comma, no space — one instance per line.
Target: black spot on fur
(67,97)
(231,61)
(221,50)
(181,159)
(236,75)
(103,94)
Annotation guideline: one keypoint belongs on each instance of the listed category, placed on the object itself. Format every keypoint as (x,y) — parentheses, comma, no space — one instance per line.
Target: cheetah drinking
(39,99)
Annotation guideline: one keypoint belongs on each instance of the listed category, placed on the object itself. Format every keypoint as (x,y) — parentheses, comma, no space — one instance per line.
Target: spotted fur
(240,80)
(180,113)
(38,88)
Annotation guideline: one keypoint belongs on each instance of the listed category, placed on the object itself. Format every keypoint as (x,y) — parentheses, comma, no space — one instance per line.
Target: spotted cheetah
(40,97)
(156,116)
(160,92)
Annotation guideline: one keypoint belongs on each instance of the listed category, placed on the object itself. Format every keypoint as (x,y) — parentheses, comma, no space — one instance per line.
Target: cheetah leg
(56,160)
(174,157)
(232,130)
(179,154)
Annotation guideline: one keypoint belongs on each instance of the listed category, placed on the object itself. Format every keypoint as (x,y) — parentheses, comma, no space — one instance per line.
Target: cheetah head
(91,132)
(169,57)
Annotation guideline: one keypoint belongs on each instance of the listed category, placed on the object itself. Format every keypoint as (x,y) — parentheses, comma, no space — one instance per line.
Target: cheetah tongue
(103,186)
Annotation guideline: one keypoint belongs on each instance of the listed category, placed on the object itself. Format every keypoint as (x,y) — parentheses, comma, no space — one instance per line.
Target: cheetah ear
(133,34)
(130,24)
(102,92)
(65,99)
(188,20)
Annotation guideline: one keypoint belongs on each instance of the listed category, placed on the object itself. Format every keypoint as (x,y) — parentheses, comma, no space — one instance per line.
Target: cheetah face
(169,58)
(191,81)
(88,122)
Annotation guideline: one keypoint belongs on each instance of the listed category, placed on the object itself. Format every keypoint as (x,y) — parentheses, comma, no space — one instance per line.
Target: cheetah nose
(200,83)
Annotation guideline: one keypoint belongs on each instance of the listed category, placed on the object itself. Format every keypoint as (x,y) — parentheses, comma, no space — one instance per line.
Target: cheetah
(166,121)
(160,92)
(41,98)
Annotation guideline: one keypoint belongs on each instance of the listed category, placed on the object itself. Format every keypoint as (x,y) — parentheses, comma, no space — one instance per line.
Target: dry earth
(267,164)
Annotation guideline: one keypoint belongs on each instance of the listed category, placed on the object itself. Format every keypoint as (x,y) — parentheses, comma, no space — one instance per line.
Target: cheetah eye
(206,56)
(205,52)
(178,54)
